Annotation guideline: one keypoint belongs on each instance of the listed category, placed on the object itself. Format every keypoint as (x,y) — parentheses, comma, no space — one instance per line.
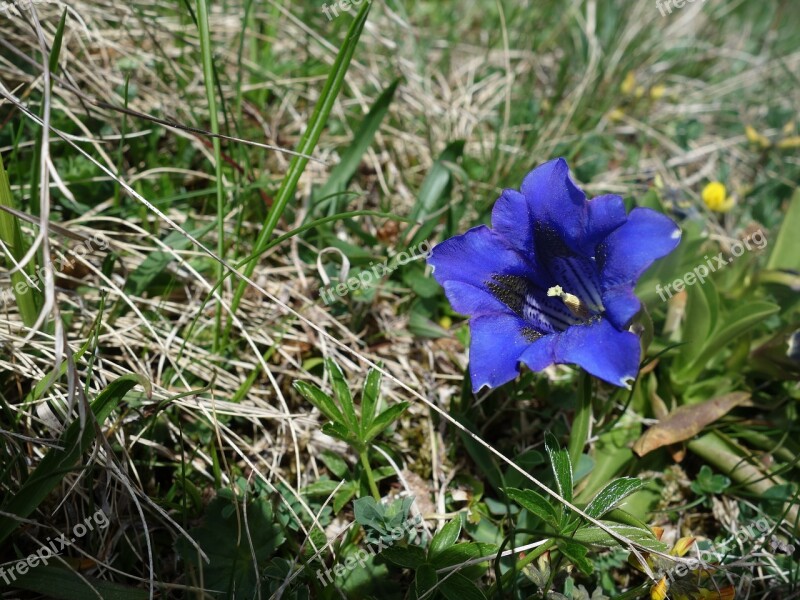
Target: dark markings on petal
(521,296)
(577,274)
(530,334)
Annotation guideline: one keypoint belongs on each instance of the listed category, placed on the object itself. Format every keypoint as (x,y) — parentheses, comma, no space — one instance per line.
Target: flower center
(572,302)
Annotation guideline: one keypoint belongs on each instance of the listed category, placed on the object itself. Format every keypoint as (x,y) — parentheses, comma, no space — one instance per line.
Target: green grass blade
(11,234)
(307,143)
(344,171)
(74,442)
(209,79)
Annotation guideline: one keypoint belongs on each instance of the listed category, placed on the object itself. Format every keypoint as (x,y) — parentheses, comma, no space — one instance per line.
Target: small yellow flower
(682,546)
(616,114)
(754,137)
(789,142)
(716,197)
(788,129)
(639,92)
(628,84)
(657,92)
(446,322)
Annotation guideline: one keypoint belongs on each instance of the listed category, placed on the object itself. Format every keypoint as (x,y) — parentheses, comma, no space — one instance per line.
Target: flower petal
(496,344)
(473,257)
(605,214)
(627,253)
(512,219)
(555,201)
(602,350)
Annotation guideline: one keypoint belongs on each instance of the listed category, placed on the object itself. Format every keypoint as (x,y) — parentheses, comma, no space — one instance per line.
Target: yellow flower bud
(715,197)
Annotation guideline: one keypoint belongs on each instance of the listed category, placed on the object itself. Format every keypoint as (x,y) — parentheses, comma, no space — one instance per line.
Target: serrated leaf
(368,512)
(561,465)
(611,495)
(232,554)
(446,537)
(534,503)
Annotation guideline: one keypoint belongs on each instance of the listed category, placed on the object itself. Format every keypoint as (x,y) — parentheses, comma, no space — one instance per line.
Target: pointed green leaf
(591,534)
(321,400)
(369,399)
(576,553)
(534,503)
(561,465)
(383,420)
(446,537)
(342,392)
(611,495)
(785,254)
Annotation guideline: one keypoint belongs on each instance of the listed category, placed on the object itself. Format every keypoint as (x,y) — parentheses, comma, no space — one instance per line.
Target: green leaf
(344,495)
(410,557)
(592,534)
(342,392)
(321,400)
(446,537)
(785,253)
(433,193)
(461,553)
(561,465)
(231,551)
(386,418)
(458,587)
(58,462)
(368,512)
(736,322)
(369,399)
(611,495)
(309,140)
(577,554)
(351,158)
(65,584)
(701,316)
(425,580)
(534,503)
(339,431)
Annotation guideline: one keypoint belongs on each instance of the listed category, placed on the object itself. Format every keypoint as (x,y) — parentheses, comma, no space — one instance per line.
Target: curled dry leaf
(688,421)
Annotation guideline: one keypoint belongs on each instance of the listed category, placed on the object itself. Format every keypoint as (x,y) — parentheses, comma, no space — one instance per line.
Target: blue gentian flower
(552,282)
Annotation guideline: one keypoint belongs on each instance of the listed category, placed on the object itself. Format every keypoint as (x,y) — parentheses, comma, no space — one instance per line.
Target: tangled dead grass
(450,90)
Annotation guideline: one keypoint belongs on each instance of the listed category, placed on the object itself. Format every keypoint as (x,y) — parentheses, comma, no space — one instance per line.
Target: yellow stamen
(572,302)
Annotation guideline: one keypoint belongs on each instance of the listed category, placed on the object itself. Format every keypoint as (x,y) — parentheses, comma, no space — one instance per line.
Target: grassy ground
(149,404)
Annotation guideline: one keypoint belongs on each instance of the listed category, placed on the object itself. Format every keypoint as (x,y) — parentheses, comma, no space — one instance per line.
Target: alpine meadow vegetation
(399,299)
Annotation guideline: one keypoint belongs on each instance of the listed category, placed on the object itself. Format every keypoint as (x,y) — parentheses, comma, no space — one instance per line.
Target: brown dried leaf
(688,421)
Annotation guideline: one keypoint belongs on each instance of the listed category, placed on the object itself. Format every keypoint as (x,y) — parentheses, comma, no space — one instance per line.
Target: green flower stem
(581,424)
(370,477)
